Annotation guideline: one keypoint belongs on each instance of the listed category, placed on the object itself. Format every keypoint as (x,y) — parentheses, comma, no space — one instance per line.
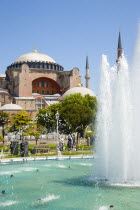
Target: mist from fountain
(114,142)
(136,107)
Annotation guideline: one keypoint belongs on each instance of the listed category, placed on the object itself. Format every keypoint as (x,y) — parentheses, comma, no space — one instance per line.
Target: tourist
(69,144)
(61,144)
(88,141)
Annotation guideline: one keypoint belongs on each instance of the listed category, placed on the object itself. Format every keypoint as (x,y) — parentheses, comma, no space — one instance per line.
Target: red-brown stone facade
(45,86)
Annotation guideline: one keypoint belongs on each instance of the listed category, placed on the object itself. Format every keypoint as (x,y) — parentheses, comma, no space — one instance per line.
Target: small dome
(11,107)
(35,57)
(84,91)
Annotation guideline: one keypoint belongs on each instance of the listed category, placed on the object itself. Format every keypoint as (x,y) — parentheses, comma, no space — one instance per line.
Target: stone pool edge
(21,159)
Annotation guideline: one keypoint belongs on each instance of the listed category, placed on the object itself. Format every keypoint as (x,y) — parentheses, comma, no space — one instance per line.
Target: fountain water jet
(136,107)
(114,128)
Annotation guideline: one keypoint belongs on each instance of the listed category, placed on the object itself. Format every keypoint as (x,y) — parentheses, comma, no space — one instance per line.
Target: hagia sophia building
(36,81)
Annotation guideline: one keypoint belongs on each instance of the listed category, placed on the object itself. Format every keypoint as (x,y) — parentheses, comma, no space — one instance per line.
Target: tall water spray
(136,108)
(103,121)
(113,139)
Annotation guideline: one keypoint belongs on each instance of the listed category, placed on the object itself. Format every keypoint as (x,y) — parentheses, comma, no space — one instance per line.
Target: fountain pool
(60,184)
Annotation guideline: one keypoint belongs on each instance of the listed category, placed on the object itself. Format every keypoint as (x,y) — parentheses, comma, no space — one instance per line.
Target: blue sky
(68,30)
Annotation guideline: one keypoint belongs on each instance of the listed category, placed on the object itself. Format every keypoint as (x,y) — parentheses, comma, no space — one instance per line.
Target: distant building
(35,81)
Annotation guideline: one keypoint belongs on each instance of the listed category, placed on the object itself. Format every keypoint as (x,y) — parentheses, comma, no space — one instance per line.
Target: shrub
(84,147)
(5,148)
(52,146)
(30,147)
(88,134)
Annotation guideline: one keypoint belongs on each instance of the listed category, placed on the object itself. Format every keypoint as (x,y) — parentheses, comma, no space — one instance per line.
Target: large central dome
(35,57)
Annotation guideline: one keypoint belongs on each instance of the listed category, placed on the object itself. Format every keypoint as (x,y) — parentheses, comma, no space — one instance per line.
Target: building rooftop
(11,107)
(35,57)
(84,91)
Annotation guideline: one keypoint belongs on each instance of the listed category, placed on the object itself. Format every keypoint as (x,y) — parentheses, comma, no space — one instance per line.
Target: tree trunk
(3,133)
(77,138)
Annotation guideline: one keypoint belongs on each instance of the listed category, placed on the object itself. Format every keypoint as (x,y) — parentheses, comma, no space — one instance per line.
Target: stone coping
(25,159)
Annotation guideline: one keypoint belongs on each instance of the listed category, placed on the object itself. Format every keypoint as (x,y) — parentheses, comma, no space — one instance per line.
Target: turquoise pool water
(59,185)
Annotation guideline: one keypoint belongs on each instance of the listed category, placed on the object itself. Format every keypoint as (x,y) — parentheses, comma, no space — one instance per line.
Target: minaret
(120,50)
(87,77)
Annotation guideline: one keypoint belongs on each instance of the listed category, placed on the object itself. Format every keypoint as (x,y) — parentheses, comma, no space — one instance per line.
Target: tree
(36,134)
(42,129)
(78,112)
(47,118)
(75,114)
(4,117)
(21,123)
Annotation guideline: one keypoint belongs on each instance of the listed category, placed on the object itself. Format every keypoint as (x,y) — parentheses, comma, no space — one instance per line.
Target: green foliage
(4,148)
(36,134)
(52,146)
(4,117)
(30,147)
(84,147)
(42,129)
(76,152)
(47,118)
(21,122)
(75,114)
(1,138)
(78,112)
(88,134)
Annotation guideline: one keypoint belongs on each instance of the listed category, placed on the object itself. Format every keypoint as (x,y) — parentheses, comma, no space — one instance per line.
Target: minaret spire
(87,77)
(120,50)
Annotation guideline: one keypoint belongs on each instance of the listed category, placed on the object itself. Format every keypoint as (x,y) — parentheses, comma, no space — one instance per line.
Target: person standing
(61,144)
(88,141)
(69,144)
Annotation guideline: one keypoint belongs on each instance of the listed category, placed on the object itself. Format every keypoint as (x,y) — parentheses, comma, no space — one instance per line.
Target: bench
(42,149)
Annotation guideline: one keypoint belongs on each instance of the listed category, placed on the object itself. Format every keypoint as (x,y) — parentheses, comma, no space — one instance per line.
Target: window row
(42,84)
(38,65)
(39,100)
(47,92)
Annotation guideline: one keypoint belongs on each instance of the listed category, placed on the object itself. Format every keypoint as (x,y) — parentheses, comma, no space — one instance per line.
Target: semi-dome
(84,91)
(11,107)
(35,57)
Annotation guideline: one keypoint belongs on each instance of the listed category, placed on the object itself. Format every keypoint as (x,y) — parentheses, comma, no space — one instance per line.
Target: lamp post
(57,120)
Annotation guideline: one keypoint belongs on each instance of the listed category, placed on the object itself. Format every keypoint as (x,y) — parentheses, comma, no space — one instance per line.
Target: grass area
(69,153)
(80,149)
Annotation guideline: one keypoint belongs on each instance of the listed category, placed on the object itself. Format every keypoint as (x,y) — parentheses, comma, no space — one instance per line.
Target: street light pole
(57,119)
